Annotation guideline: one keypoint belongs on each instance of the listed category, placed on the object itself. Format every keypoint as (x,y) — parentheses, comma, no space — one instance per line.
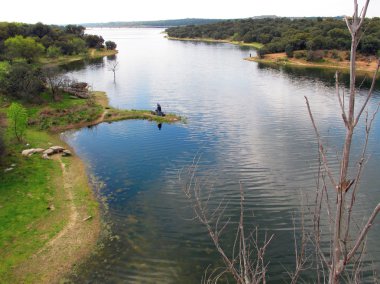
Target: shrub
(110,45)
(2,146)
(261,52)
(23,81)
(17,120)
(20,47)
(53,51)
(314,55)
(289,51)
(300,54)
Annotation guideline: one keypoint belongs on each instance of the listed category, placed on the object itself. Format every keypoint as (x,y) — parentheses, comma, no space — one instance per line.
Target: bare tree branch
(363,233)
(320,145)
(370,92)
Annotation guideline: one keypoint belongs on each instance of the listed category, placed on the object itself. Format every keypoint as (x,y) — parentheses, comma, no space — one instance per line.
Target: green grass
(68,111)
(255,45)
(118,114)
(25,193)
(64,59)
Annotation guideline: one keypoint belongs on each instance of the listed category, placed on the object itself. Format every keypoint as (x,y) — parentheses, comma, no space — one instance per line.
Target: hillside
(161,23)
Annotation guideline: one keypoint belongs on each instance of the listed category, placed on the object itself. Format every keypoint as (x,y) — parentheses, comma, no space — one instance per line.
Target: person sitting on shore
(159,111)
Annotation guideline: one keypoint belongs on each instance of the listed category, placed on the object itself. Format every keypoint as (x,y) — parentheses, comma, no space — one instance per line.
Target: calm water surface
(247,123)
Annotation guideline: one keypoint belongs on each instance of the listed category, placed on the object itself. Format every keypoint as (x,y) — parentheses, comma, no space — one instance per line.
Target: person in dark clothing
(159,111)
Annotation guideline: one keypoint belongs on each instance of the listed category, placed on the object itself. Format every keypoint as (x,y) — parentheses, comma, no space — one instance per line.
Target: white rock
(48,151)
(45,156)
(66,153)
(7,170)
(57,149)
(27,152)
(30,152)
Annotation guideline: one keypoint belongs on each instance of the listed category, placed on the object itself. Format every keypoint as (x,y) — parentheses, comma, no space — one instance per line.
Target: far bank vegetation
(288,35)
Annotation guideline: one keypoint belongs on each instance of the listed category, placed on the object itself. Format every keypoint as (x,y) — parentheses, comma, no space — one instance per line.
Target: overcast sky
(84,11)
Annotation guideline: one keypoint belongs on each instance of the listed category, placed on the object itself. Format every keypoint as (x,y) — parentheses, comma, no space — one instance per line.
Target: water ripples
(246,124)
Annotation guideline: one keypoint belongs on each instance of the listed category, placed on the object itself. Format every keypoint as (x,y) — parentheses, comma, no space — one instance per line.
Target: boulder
(48,152)
(45,156)
(57,149)
(29,152)
(66,153)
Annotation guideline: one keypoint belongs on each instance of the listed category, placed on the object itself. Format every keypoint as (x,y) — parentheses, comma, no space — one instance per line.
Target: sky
(85,11)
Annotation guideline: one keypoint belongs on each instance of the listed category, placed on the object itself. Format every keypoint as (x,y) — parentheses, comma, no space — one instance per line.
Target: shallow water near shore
(245,123)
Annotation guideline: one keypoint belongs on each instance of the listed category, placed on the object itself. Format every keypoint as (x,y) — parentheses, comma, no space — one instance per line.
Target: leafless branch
(320,145)
(370,92)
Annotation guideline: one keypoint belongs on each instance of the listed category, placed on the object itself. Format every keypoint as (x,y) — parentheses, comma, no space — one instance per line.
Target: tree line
(286,34)
(160,23)
(22,77)
(21,45)
(30,41)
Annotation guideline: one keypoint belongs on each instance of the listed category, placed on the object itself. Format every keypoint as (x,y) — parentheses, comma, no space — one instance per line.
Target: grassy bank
(28,225)
(91,54)
(255,45)
(365,65)
(44,204)
(76,113)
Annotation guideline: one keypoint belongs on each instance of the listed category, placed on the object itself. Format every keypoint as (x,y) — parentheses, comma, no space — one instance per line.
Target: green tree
(74,29)
(23,81)
(110,45)
(53,51)
(17,120)
(94,41)
(289,51)
(78,45)
(23,47)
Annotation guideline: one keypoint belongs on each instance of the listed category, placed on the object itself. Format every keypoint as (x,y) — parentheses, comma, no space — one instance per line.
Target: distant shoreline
(255,45)
(363,66)
(91,53)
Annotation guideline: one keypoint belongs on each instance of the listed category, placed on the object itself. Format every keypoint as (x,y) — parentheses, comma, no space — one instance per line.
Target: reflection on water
(248,123)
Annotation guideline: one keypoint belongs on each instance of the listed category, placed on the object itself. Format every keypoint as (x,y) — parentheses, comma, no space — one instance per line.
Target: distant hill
(160,24)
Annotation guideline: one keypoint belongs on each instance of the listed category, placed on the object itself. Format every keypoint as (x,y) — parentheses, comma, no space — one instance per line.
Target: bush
(17,120)
(94,41)
(314,55)
(24,82)
(335,55)
(53,51)
(300,54)
(2,145)
(347,55)
(289,51)
(20,47)
(261,52)
(110,45)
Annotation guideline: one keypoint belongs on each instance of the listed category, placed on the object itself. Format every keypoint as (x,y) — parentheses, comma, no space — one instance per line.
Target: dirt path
(73,217)
(75,241)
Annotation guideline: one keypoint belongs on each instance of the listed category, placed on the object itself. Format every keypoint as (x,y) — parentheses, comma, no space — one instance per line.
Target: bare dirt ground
(75,241)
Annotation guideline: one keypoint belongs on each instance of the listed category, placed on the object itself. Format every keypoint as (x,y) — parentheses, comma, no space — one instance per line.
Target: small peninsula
(48,206)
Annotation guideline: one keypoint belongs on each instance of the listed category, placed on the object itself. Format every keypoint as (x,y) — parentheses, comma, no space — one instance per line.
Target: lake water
(245,123)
